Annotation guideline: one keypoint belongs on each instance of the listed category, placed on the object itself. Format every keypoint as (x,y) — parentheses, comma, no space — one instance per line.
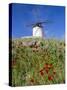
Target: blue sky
(26,14)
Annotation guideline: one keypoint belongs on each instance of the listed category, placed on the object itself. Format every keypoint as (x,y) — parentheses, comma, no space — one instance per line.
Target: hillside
(38,61)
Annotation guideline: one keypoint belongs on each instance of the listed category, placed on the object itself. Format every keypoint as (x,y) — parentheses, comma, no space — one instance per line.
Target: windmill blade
(47,21)
(30,25)
(44,22)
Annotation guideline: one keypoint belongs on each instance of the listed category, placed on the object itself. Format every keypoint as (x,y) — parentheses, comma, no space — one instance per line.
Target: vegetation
(41,65)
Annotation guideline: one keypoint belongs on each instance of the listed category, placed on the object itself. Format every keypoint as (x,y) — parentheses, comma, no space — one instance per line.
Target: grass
(44,66)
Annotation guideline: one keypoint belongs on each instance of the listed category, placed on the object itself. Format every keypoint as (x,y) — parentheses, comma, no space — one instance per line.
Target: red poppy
(50,66)
(50,78)
(46,65)
(41,72)
(47,70)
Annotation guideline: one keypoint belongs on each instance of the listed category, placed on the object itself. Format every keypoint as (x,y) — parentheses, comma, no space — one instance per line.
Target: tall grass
(41,67)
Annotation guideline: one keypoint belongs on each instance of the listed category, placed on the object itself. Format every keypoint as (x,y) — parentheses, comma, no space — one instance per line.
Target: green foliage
(27,63)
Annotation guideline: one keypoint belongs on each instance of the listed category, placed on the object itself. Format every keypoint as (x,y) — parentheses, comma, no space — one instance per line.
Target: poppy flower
(50,66)
(41,72)
(46,65)
(50,78)
(47,70)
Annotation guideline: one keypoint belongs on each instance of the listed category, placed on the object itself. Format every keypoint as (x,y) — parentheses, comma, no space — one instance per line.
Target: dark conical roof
(38,24)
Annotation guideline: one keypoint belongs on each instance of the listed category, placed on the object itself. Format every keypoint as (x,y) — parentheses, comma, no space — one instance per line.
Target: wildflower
(41,72)
(50,78)
(50,66)
(47,70)
(46,65)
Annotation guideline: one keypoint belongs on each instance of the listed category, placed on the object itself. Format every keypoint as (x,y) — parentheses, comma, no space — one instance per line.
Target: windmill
(38,28)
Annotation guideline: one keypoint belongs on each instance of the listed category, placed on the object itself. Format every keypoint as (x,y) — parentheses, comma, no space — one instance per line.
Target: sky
(27,14)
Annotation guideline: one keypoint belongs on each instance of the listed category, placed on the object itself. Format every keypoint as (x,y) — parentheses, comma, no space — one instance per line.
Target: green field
(41,64)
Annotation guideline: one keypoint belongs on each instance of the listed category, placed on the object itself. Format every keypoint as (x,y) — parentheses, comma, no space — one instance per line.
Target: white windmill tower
(37,29)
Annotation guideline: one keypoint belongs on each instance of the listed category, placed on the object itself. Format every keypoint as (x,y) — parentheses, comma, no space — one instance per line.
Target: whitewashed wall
(37,32)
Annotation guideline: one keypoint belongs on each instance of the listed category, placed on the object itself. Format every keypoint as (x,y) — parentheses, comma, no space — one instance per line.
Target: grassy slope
(28,66)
